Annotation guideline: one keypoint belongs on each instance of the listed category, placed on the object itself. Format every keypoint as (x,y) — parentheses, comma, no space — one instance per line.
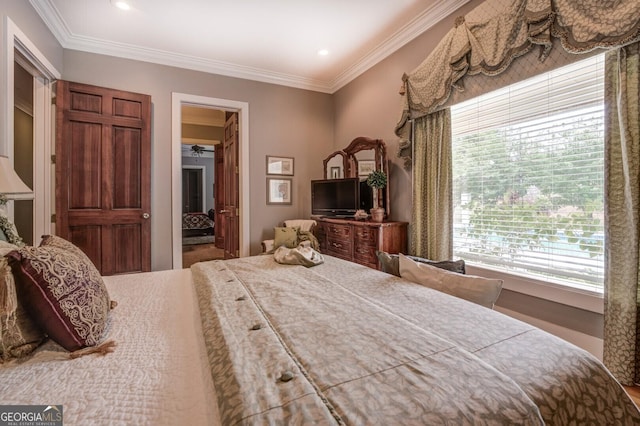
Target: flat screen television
(340,197)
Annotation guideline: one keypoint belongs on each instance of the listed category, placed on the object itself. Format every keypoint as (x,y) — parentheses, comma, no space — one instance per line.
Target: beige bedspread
(157,374)
(369,348)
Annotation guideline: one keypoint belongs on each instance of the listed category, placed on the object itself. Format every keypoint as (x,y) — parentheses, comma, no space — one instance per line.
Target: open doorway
(26,126)
(238,113)
(202,137)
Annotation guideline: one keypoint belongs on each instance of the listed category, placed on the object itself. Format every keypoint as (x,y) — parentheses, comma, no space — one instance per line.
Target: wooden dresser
(357,240)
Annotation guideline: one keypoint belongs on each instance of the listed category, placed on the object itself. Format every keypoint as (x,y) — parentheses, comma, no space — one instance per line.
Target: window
(528,176)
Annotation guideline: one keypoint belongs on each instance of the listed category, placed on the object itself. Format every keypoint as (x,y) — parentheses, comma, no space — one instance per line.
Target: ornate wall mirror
(365,155)
(335,166)
(361,157)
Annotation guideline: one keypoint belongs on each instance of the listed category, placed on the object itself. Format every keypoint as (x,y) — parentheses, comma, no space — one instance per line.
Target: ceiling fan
(197,150)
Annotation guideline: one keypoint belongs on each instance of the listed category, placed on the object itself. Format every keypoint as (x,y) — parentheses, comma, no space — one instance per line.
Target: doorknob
(145,215)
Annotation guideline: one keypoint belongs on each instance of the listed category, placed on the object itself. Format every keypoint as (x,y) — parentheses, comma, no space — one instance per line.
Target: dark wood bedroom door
(231,189)
(192,191)
(218,196)
(103,175)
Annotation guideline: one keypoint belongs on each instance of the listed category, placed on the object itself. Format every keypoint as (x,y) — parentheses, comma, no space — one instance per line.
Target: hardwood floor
(200,253)
(634,393)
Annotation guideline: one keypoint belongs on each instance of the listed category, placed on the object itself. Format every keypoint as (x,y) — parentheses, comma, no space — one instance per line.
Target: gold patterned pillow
(63,292)
(284,236)
(19,335)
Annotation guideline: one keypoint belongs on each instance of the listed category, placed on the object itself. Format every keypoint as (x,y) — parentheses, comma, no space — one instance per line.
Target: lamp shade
(10,182)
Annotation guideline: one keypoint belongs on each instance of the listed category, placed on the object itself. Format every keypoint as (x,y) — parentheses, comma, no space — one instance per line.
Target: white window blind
(528,176)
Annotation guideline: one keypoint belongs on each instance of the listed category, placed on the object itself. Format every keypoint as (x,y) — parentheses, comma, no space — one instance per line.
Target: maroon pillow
(63,292)
(61,243)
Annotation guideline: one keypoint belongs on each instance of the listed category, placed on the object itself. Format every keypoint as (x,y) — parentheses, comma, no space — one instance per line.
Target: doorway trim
(242,108)
(44,74)
(204,183)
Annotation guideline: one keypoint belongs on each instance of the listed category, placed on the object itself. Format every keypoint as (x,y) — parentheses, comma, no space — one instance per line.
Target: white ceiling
(274,41)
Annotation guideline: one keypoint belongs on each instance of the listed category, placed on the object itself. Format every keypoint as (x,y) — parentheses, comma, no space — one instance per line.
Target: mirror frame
(350,164)
(345,164)
(363,143)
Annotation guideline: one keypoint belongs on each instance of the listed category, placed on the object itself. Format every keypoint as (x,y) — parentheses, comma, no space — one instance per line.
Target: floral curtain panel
(491,36)
(432,213)
(622,214)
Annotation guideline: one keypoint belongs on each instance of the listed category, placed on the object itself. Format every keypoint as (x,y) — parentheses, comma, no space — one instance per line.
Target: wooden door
(192,191)
(218,196)
(231,198)
(103,175)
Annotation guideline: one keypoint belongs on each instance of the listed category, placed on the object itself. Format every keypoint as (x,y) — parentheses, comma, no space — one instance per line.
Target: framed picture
(278,190)
(365,167)
(335,172)
(279,165)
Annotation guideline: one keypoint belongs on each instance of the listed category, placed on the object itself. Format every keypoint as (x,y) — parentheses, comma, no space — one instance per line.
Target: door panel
(84,182)
(103,175)
(231,198)
(127,192)
(127,255)
(218,196)
(88,239)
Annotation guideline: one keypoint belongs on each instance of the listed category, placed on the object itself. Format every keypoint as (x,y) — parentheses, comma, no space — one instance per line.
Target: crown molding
(418,25)
(56,24)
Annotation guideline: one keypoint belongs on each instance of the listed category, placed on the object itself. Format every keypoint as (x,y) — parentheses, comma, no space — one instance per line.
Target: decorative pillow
(61,243)
(389,263)
(9,231)
(285,236)
(19,335)
(63,292)
(483,291)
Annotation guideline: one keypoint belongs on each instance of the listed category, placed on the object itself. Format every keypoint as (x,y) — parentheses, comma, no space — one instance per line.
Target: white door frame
(204,183)
(242,108)
(44,74)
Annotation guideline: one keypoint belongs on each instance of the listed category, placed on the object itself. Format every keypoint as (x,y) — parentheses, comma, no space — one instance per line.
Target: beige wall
(371,106)
(283,122)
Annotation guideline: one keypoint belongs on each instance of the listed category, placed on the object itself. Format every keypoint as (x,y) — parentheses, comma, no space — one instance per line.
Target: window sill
(588,300)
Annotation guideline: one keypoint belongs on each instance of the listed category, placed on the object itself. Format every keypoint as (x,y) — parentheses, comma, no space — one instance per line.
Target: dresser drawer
(337,231)
(365,236)
(339,247)
(365,255)
(357,241)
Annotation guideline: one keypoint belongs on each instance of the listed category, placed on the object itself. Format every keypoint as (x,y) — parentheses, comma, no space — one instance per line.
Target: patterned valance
(492,35)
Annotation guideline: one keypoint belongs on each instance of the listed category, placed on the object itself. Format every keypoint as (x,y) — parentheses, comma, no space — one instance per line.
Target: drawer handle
(362,251)
(335,230)
(336,245)
(363,234)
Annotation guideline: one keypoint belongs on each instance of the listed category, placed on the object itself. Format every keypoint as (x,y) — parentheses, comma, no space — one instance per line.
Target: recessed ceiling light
(120,4)
(323,52)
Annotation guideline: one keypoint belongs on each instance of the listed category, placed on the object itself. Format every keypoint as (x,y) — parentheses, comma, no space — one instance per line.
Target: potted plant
(377,180)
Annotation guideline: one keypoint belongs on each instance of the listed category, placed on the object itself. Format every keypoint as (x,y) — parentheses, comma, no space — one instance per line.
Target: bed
(157,373)
(251,341)
(197,224)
